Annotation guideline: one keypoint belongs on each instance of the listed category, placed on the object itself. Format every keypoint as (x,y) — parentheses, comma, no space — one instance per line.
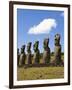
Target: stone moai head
(23,49)
(45,43)
(29,47)
(35,46)
(17,50)
(57,39)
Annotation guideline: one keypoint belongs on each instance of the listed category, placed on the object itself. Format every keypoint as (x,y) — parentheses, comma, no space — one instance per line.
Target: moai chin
(36,52)
(18,56)
(57,50)
(29,61)
(22,56)
(46,53)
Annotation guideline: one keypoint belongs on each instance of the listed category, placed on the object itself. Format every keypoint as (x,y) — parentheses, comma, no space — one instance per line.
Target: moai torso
(46,53)
(29,61)
(22,56)
(36,52)
(57,50)
(18,56)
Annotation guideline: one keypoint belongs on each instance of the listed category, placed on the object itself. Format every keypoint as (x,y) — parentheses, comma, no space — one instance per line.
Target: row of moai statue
(36,57)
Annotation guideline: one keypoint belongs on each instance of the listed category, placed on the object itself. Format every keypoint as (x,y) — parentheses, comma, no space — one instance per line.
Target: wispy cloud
(44,27)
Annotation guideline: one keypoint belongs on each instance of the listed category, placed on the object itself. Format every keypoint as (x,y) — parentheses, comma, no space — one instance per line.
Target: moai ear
(33,45)
(30,43)
(57,36)
(38,42)
(46,41)
(23,46)
(21,49)
(17,50)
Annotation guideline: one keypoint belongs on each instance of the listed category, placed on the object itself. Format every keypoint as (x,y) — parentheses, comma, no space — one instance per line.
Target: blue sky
(31,25)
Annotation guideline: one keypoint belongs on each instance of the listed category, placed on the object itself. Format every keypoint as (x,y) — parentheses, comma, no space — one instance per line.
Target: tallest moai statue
(57,50)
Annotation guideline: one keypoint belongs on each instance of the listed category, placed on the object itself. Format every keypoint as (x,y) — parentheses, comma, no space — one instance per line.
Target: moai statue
(46,53)
(29,61)
(18,56)
(36,52)
(22,56)
(57,50)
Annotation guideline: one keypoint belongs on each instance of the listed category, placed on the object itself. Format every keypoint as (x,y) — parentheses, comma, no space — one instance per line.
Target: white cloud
(44,27)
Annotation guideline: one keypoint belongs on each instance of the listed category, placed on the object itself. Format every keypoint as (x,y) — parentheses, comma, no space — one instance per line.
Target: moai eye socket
(55,39)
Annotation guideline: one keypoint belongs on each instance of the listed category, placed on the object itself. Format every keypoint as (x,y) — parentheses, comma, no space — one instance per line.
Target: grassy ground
(33,73)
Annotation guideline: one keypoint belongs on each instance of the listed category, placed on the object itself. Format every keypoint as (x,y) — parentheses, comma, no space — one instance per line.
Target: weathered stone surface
(28,60)
(22,56)
(46,53)
(57,50)
(18,56)
(36,52)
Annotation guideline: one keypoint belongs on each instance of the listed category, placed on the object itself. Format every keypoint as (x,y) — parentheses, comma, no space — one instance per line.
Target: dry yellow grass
(33,73)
